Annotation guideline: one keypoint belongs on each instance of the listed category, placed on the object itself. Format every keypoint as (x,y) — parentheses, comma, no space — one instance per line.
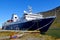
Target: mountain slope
(52,12)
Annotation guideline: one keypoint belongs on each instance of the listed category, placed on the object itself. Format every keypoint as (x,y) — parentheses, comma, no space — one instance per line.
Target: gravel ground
(30,36)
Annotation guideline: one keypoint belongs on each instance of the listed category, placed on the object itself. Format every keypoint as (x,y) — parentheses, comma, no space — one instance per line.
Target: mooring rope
(31,26)
(45,25)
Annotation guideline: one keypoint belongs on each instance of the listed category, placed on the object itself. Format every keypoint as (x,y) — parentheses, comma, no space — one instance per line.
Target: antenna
(30,9)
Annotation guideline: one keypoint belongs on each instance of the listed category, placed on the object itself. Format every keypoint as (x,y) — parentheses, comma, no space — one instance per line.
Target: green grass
(54,32)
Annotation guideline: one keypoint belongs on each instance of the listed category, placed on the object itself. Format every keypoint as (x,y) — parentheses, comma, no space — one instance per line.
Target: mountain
(52,12)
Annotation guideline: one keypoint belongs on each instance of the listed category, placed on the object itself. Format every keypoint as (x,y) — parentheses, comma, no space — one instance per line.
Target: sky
(9,7)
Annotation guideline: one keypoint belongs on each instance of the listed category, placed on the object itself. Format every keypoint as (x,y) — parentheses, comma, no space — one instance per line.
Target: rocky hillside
(51,13)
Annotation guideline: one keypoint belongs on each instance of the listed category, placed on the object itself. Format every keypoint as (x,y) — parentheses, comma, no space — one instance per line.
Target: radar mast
(30,9)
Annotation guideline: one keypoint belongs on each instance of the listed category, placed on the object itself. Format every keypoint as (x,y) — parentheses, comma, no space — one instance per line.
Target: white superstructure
(31,16)
(15,18)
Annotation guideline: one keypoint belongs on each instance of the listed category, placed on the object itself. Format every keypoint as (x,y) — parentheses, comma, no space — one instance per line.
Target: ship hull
(39,24)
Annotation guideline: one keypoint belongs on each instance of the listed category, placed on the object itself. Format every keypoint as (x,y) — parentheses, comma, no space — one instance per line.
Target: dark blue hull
(39,24)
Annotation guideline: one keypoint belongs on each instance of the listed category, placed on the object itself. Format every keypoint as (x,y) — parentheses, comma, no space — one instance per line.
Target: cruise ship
(29,22)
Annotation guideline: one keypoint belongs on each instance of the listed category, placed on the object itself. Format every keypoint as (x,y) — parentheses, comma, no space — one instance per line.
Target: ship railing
(51,17)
